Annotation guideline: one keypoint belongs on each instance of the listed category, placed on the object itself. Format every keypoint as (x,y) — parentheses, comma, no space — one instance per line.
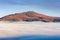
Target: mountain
(29,16)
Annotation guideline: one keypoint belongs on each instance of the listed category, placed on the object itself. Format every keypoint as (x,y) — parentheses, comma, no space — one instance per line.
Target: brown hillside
(27,15)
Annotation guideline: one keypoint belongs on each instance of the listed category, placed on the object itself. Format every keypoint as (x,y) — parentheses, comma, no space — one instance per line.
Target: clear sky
(47,7)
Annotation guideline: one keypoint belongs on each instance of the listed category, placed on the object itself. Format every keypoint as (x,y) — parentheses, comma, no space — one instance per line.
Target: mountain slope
(28,16)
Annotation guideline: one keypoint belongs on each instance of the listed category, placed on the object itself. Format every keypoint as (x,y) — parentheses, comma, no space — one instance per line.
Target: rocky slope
(29,16)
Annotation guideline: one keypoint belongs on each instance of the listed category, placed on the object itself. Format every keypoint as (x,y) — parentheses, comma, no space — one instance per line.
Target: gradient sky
(47,7)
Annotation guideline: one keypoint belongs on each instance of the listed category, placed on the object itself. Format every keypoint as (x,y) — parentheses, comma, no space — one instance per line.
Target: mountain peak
(31,12)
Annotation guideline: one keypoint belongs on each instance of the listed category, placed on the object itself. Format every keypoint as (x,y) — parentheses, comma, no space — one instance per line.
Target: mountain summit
(28,16)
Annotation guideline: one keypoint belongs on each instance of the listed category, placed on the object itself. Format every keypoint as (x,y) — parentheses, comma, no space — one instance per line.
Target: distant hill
(30,16)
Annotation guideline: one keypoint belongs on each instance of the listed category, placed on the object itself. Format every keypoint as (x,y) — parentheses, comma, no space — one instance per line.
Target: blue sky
(47,7)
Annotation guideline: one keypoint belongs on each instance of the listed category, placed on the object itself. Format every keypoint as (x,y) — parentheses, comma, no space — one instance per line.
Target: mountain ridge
(29,16)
